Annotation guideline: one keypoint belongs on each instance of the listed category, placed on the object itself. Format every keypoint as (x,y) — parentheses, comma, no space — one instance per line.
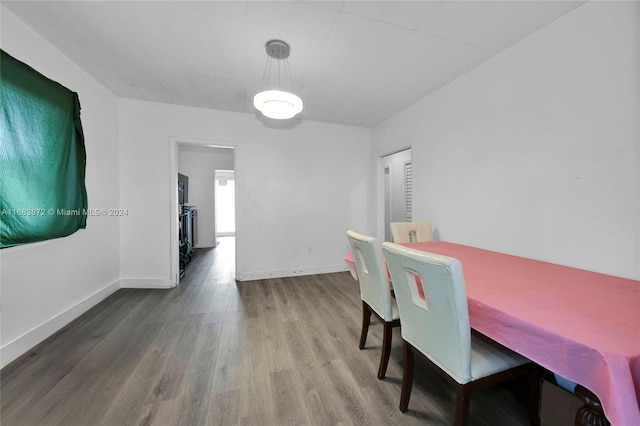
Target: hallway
(219,262)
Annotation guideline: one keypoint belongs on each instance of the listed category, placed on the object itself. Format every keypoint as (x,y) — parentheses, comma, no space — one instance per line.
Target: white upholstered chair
(411,232)
(375,292)
(437,326)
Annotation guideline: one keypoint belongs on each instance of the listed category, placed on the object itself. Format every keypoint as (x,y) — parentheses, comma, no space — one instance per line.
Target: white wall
(45,285)
(308,185)
(199,164)
(536,152)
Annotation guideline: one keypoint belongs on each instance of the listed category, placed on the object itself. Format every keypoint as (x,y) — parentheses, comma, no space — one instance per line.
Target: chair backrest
(411,232)
(438,325)
(375,288)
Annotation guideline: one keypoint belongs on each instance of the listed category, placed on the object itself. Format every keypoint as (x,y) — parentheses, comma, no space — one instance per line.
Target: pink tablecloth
(582,325)
(351,264)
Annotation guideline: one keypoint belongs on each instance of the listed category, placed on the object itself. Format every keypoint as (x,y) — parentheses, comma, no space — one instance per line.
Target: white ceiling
(353,62)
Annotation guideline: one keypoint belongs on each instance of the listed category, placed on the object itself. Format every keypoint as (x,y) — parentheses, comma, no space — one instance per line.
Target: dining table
(582,325)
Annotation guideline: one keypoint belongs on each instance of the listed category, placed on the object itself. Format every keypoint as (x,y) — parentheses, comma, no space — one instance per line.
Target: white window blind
(408,193)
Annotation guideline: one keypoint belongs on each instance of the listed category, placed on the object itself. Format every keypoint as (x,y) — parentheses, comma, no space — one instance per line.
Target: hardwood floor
(212,351)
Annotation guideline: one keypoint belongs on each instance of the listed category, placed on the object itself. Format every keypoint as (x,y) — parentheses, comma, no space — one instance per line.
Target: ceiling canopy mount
(278,49)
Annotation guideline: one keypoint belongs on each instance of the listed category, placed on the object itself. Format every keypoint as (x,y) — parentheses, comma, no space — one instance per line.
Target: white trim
(379,198)
(225,234)
(174,259)
(281,273)
(150,283)
(37,335)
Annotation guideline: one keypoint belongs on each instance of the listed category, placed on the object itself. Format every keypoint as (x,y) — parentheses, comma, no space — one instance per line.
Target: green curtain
(42,157)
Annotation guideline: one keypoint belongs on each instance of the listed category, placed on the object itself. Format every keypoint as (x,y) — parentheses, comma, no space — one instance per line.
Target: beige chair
(375,292)
(437,326)
(411,232)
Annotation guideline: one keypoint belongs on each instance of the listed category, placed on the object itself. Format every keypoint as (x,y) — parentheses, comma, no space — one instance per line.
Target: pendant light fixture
(273,102)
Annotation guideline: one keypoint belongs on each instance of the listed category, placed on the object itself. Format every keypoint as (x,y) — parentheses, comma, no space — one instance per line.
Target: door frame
(379,198)
(174,255)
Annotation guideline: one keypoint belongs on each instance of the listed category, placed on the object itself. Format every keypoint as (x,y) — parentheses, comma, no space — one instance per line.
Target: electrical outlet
(309,250)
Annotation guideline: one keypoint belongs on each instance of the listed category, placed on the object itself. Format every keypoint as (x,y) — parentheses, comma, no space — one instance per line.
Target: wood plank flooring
(215,352)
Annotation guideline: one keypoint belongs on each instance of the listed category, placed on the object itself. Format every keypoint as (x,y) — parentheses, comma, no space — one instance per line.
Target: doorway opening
(193,207)
(225,208)
(397,189)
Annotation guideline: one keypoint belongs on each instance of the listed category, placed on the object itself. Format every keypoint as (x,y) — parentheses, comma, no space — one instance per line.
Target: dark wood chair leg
(462,406)
(591,413)
(366,320)
(386,349)
(407,376)
(534,395)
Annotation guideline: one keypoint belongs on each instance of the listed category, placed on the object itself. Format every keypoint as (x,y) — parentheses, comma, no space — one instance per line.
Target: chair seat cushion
(488,358)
